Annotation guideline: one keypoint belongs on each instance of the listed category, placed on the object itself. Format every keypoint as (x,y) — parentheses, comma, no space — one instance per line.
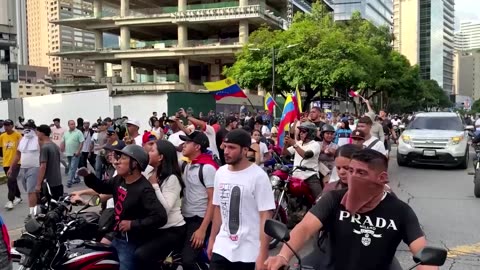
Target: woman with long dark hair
(343,133)
(166,181)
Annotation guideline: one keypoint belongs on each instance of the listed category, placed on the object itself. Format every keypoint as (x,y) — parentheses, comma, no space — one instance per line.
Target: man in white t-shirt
(365,124)
(396,121)
(28,158)
(57,137)
(477,125)
(175,137)
(205,128)
(307,133)
(243,201)
(133,127)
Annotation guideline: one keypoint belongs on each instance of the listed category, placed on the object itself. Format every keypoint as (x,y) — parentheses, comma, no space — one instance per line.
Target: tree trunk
(310,94)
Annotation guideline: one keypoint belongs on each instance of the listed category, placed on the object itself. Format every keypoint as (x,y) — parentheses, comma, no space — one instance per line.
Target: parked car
(439,138)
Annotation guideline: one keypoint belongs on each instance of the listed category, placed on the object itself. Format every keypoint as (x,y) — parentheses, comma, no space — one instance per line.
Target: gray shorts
(28,177)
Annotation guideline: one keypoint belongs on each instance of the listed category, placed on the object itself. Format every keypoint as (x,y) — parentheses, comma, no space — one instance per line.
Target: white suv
(434,138)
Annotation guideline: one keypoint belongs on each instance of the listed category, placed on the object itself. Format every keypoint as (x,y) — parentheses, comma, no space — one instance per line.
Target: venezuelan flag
(6,238)
(269,103)
(354,93)
(288,116)
(297,101)
(225,88)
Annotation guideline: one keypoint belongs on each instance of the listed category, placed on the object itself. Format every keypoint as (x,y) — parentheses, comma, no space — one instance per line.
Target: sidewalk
(14,219)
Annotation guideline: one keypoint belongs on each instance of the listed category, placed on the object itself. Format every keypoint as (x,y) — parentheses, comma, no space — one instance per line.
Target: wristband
(283,257)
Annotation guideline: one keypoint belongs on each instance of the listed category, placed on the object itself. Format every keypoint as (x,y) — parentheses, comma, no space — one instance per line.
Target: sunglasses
(109,134)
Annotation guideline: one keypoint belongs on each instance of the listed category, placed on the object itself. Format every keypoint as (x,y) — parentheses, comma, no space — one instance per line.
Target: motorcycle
(431,256)
(292,195)
(476,165)
(47,242)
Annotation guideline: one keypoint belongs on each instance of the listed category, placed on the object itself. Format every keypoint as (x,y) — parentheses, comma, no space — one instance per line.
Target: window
(29,93)
(437,123)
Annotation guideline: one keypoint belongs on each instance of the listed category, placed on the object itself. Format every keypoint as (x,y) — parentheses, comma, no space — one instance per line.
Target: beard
(233,160)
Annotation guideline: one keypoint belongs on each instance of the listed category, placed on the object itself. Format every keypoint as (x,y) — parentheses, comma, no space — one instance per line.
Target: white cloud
(466,10)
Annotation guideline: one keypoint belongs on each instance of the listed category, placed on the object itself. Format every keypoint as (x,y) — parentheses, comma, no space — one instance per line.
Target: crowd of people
(190,184)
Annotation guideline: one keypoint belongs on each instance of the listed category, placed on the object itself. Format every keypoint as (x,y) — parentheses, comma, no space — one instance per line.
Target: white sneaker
(17,201)
(9,205)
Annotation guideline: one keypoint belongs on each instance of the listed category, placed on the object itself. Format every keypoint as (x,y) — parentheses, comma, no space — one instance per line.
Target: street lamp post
(274,53)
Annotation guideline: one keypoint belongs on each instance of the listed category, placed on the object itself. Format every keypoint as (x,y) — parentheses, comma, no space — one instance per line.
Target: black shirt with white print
(366,241)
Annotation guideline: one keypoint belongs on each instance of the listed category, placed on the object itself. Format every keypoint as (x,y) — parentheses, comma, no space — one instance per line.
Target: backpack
(200,172)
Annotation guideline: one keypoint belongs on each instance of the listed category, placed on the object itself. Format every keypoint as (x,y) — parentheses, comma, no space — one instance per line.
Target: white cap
(134,122)
(86,121)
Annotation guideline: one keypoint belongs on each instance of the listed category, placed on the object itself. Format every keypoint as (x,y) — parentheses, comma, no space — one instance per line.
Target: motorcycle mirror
(276,230)
(308,154)
(432,256)
(94,201)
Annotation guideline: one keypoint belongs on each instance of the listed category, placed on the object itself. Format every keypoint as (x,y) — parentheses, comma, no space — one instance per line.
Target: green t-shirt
(72,140)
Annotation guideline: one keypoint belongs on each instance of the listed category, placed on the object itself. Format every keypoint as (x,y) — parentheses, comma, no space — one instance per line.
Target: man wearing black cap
(9,142)
(230,124)
(243,201)
(198,176)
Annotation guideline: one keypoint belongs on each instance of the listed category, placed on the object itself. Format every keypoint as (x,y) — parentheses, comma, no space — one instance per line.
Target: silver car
(434,138)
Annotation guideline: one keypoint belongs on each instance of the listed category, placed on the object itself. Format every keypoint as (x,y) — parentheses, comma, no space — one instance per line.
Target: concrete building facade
(168,45)
(8,50)
(467,74)
(33,81)
(423,32)
(468,38)
(45,38)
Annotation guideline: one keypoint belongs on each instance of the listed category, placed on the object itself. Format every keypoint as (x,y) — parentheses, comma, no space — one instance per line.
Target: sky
(466,10)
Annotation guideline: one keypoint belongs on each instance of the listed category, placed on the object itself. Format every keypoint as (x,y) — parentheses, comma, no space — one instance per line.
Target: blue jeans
(98,167)
(125,252)
(72,168)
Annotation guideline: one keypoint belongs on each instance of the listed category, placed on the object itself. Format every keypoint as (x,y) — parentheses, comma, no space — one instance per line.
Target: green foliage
(321,56)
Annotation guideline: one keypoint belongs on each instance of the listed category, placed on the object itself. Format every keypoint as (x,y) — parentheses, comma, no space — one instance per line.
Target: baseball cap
(110,130)
(240,137)
(149,136)
(358,134)
(116,145)
(134,122)
(197,137)
(230,120)
(8,122)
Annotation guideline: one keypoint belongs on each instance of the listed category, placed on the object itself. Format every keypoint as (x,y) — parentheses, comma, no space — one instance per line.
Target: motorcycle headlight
(275,180)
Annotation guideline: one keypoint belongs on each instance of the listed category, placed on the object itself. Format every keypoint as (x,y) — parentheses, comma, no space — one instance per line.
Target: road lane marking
(469,250)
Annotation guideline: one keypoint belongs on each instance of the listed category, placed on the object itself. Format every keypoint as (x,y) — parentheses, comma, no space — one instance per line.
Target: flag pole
(251,104)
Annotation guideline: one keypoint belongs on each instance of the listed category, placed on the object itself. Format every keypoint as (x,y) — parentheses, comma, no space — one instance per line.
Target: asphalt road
(442,198)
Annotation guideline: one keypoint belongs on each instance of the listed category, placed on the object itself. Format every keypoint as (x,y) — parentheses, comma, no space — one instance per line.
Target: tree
(326,56)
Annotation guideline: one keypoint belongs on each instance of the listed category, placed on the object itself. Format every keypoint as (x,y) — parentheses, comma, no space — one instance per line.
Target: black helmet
(137,153)
(310,127)
(327,128)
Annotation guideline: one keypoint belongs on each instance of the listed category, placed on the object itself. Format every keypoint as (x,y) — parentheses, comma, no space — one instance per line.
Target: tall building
(468,38)
(32,81)
(467,75)
(168,45)
(22,41)
(423,32)
(379,12)
(8,50)
(46,38)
